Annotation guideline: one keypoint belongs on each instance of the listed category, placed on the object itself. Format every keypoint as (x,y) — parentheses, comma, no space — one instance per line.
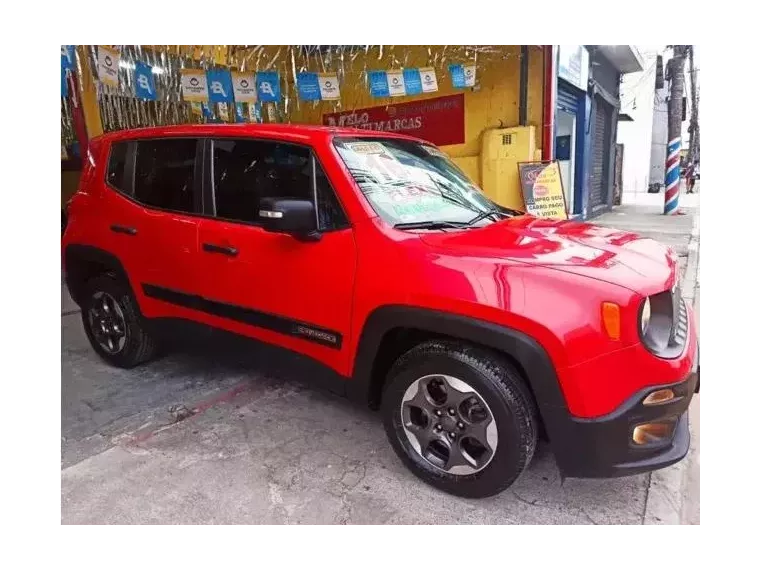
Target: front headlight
(646,315)
(658,321)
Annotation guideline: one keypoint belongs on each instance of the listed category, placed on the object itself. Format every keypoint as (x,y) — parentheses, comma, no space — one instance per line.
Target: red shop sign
(439,120)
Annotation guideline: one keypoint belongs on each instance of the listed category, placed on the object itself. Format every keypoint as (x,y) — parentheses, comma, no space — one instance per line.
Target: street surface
(237,438)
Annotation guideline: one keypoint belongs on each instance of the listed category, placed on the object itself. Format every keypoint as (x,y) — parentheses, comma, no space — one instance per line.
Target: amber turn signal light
(659,397)
(611,320)
(655,432)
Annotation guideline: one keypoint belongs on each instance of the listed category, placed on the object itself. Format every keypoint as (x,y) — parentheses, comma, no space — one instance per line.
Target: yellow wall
(89,95)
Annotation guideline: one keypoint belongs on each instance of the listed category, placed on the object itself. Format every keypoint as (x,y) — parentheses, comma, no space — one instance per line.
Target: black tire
(139,346)
(500,386)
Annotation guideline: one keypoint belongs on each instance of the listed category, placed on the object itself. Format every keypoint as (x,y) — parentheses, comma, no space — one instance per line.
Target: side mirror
(289,216)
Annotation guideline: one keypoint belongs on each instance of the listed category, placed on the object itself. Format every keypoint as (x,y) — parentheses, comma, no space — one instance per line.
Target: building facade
(571,117)
(586,117)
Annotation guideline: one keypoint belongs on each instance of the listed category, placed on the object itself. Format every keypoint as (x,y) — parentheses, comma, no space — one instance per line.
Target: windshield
(409,183)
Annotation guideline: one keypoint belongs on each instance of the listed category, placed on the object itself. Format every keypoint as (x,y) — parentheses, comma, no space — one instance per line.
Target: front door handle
(124,230)
(223,249)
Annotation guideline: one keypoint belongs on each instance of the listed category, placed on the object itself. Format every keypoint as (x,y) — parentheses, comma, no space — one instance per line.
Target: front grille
(668,331)
(681,325)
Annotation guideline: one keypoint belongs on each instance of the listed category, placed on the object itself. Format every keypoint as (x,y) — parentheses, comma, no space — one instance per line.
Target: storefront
(607,65)
(484,105)
(586,115)
(600,180)
(571,113)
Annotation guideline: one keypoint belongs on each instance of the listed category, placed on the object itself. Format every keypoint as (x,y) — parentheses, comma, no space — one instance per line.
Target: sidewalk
(673,493)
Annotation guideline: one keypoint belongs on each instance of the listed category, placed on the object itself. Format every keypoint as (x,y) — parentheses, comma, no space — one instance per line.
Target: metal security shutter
(598,180)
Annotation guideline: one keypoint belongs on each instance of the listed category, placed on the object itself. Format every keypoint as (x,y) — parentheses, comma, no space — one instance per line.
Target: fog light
(659,397)
(656,432)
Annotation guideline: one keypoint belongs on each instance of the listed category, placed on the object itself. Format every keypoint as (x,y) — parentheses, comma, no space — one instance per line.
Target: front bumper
(604,447)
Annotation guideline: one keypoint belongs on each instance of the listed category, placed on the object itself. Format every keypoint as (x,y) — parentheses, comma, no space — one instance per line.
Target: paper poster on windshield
(367,147)
(378,160)
(541,185)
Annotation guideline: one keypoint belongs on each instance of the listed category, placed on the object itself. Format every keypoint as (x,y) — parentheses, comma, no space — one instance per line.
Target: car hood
(619,257)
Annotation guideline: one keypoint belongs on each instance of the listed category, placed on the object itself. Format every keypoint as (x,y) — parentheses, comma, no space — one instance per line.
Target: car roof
(287,132)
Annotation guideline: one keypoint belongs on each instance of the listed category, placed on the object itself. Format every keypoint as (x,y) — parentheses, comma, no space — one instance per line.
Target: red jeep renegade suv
(472,326)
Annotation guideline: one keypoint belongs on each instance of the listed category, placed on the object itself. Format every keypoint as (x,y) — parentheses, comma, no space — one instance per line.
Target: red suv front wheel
(460,417)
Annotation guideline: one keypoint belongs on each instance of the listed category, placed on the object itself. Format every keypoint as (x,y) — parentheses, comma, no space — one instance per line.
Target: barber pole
(672,176)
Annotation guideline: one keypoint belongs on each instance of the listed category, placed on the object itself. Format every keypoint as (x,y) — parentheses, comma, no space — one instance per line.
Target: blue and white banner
(308,87)
(239,115)
(108,66)
(268,86)
(64,83)
(244,87)
(67,63)
(428,79)
(412,81)
(378,83)
(396,86)
(224,112)
(254,112)
(318,86)
(145,85)
(194,85)
(219,86)
(329,89)
(462,76)
(386,83)
(67,57)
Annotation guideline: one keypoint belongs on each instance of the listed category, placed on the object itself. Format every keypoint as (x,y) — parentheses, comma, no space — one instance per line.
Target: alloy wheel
(449,424)
(107,323)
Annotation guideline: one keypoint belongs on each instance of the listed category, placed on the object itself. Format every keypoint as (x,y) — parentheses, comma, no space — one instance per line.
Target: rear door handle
(123,230)
(223,249)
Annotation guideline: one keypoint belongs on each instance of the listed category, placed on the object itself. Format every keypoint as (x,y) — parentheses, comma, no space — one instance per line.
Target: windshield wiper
(483,216)
(428,225)
(441,191)
(448,191)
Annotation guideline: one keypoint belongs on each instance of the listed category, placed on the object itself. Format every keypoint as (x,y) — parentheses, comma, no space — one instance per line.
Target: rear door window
(117,165)
(164,174)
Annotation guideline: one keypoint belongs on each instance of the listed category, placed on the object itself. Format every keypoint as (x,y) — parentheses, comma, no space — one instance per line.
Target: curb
(665,491)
